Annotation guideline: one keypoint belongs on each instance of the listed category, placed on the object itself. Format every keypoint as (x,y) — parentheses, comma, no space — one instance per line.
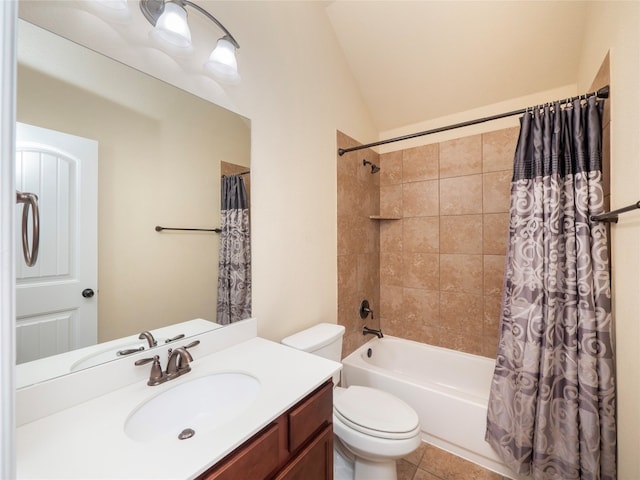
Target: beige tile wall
(442,261)
(358,241)
(433,272)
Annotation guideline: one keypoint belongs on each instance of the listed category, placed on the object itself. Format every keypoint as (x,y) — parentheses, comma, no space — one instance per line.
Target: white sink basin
(194,406)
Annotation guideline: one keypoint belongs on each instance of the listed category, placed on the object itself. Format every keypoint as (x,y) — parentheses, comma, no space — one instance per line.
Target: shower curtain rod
(612,216)
(601,93)
(240,173)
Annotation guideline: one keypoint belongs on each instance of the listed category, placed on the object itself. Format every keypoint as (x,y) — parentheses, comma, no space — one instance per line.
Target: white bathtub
(448,389)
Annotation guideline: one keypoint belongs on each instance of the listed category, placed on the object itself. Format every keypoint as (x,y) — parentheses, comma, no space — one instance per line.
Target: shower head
(374,167)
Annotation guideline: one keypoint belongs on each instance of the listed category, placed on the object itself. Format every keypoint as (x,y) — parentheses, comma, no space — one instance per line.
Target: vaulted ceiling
(419,60)
(413,60)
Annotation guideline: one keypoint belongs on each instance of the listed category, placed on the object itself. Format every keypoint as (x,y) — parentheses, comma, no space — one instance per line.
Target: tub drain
(369,352)
(186,433)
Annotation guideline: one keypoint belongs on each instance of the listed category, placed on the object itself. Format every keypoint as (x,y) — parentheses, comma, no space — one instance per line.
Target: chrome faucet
(366,330)
(149,338)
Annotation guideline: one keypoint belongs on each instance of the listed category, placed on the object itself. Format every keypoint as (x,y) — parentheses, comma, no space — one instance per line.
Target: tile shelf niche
(384,217)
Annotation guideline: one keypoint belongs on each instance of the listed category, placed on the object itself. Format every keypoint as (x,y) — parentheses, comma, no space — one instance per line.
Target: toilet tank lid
(314,337)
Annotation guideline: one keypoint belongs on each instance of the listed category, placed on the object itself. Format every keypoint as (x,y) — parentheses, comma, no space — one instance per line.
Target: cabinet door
(314,462)
(310,416)
(256,459)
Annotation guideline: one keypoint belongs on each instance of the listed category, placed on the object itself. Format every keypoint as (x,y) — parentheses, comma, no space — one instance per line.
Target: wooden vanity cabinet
(298,445)
(315,462)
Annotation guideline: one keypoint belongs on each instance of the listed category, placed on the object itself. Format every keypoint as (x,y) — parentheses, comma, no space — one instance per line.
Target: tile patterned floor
(431,463)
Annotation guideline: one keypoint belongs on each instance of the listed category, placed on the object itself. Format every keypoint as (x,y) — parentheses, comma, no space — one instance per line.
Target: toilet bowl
(374,427)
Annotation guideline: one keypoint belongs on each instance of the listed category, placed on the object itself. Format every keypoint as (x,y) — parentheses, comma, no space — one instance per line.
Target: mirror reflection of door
(52,315)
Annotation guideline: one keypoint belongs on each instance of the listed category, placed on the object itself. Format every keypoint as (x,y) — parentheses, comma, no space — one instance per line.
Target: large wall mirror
(159,156)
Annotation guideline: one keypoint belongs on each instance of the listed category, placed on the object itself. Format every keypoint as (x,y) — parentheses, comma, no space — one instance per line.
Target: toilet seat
(376,413)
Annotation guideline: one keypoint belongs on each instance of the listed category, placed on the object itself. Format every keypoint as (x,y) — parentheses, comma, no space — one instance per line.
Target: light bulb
(222,62)
(172,26)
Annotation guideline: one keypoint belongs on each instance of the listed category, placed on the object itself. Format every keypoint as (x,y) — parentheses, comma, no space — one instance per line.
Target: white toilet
(374,427)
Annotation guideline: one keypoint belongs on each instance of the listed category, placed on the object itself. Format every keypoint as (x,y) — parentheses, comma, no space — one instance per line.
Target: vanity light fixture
(169,19)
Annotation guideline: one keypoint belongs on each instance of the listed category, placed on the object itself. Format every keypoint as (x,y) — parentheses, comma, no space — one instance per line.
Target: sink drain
(186,433)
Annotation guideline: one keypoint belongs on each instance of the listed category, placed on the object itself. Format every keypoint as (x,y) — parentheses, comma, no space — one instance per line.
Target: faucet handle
(156,377)
(173,339)
(128,351)
(192,344)
(365,309)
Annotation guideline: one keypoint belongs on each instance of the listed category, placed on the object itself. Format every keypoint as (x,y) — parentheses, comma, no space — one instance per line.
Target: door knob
(88,293)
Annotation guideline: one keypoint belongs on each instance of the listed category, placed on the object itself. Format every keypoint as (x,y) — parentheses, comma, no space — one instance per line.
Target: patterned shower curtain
(234,267)
(551,409)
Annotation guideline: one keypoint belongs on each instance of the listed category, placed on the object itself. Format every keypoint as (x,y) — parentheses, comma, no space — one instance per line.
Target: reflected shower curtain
(551,409)
(234,267)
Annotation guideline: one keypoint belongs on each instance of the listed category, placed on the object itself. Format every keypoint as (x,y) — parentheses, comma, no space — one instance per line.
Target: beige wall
(297,93)
(614,27)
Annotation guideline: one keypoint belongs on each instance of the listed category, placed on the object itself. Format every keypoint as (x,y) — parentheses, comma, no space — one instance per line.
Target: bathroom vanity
(298,444)
(276,424)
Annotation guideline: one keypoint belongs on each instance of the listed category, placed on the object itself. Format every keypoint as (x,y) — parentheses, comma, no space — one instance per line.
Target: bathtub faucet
(366,330)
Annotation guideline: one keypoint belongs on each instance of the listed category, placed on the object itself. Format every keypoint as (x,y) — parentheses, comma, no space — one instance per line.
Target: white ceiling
(420,60)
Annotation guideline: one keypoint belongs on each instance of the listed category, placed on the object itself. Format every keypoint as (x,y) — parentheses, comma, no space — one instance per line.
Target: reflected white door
(52,315)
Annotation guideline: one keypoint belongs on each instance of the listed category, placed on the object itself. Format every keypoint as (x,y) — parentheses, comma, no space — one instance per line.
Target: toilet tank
(323,339)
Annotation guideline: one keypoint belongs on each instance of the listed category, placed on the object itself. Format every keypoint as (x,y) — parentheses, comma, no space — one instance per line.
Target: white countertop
(88,440)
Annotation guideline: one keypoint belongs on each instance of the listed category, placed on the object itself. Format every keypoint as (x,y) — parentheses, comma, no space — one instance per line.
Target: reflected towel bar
(216,230)
(612,216)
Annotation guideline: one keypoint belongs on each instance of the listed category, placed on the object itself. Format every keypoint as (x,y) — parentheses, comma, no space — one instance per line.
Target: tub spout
(366,330)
